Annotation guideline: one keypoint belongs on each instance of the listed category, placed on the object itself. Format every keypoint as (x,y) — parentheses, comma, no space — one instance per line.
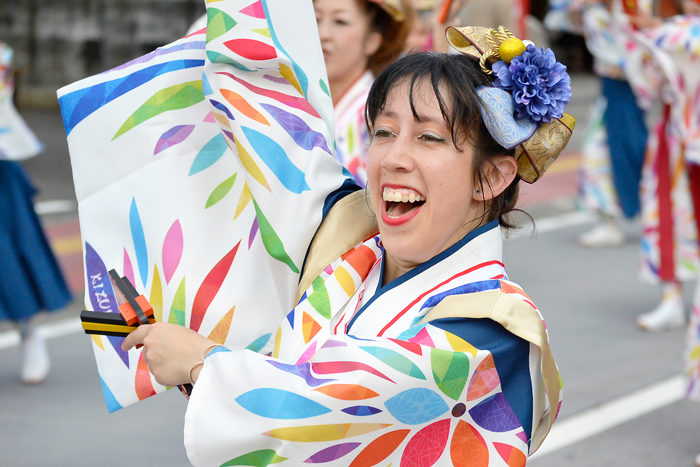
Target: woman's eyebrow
(422,118)
(387,113)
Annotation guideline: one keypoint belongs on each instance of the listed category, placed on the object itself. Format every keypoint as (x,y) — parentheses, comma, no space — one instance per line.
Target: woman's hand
(170,351)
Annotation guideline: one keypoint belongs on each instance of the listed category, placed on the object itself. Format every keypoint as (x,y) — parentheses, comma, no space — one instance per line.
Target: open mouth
(400,203)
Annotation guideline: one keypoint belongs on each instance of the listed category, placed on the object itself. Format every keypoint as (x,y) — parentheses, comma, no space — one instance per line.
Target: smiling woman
(406,330)
(392,332)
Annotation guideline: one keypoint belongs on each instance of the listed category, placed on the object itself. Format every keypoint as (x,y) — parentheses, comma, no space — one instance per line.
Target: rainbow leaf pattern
(177,310)
(175,97)
(210,287)
(261,458)
(332,453)
(151,206)
(304,136)
(279,404)
(222,328)
(173,136)
(271,240)
(277,160)
(172,250)
(209,154)
(139,238)
(218,23)
(450,370)
(416,406)
(156,297)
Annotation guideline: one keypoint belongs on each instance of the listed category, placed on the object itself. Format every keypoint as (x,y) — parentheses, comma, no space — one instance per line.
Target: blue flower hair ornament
(524,107)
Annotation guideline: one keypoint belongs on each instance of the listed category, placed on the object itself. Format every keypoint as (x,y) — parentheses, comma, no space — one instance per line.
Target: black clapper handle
(130,294)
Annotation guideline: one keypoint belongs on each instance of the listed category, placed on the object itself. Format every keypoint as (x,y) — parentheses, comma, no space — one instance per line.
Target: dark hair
(393,33)
(460,76)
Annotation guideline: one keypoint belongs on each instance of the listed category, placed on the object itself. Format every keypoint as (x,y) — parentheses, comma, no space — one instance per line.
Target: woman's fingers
(136,337)
(170,351)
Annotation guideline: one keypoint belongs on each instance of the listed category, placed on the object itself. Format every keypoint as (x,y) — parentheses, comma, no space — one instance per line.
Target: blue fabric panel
(627,138)
(349,186)
(481,286)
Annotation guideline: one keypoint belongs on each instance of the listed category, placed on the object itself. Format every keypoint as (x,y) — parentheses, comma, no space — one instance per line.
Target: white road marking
(575,428)
(550,224)
(48,331)
(55,206)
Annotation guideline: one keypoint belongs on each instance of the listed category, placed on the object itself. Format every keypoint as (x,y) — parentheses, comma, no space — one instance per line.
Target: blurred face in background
(346,40)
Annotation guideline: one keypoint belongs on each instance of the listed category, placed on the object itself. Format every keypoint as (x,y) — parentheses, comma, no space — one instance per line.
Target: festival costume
(661,66)
(30,279)
(17,141)
(358,372)
(351,138)
(665,61)
(419,366)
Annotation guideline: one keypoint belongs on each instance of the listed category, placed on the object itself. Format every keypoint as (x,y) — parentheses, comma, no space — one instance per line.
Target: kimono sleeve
(356,401)
(265,80)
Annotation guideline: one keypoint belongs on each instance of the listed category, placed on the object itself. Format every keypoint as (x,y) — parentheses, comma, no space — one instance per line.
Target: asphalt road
(588,297)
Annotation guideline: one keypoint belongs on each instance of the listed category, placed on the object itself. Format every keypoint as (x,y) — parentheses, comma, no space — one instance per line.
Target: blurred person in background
(663,67)
(514,15)
(668,57)
(421,35)
(614,146)
(30,279)
(359,39)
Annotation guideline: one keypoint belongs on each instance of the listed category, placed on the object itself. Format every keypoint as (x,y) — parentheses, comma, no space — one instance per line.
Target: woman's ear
(373,41)
(499,173)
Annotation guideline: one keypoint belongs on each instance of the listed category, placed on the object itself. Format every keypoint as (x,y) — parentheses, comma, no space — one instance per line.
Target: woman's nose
(398,156)
(323,29)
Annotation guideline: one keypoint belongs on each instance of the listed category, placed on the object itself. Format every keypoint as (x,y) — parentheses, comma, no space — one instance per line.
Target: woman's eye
(431,138)
(382,134)
(342,22)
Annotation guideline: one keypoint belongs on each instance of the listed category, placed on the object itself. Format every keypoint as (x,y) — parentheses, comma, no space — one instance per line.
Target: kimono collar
(483,244)
(491,253)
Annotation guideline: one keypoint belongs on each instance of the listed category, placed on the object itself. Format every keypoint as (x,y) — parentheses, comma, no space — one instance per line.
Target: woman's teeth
(398,197)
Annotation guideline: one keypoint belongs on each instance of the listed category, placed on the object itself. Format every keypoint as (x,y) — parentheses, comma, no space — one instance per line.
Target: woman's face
(416,161)
(346,40)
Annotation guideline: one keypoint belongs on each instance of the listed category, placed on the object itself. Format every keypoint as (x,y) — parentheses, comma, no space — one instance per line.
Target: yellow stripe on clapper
(100,327)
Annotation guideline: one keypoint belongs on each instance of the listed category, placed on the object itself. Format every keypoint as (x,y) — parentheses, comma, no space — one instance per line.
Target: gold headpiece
(395,8)
(537,153)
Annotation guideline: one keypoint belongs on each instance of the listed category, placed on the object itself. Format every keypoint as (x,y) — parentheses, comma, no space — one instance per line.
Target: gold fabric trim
(395,9)
(518,318)
(538,153)
(336,236)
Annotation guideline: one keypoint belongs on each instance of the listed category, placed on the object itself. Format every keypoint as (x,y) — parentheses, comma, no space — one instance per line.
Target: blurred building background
(57,42)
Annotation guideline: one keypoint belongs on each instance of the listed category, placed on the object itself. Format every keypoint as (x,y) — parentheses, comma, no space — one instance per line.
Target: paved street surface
(622,398)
